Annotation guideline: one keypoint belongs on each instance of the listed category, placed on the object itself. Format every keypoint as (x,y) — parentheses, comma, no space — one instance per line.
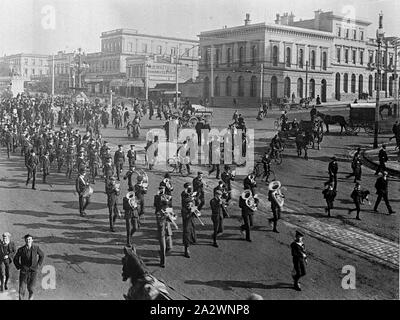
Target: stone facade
(259,62)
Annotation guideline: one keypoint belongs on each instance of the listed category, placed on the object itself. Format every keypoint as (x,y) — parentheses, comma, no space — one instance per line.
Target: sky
(48,26)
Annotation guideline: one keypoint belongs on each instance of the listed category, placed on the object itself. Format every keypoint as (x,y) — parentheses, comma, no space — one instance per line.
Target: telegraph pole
(52,77)
(262,84)
(212,76)
(176,75)
(379,37)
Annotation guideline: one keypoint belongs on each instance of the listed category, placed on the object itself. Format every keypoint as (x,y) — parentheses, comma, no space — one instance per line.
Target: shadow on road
(230,284)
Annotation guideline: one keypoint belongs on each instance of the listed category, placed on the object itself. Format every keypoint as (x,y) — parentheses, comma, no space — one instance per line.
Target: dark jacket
(329,195)
(28,262)
(216,207)
(382,156)
(381,186)
(298,250)
(333,168)
(7,250)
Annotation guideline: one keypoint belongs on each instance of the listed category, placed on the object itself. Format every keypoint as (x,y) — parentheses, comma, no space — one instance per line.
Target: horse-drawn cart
(362,115)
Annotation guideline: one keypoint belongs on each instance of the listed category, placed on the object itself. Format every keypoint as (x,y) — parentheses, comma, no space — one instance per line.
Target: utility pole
(306,96)
(146,80)
(176,75)
(379,37)
(52,77)
(262,84)
(212,75)
(396,81)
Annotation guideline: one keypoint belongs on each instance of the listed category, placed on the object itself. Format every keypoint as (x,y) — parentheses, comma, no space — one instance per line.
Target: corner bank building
(328,56)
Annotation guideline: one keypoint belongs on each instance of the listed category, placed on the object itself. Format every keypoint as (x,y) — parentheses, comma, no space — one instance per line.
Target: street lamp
(306,80)
(380,33)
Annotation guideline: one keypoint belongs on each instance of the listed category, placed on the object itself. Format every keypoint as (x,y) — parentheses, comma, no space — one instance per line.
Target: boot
(186,254)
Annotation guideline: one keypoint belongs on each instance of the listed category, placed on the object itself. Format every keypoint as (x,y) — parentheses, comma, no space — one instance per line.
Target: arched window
(216,57)
(370,84)
(216,87)
(300,88)
(253,55)
(353,83)
(253,86)
(241,56)
(337,86)
(312,88)
(287,87)
(159,49)
(384,82)
(324,60)
(228,87)
(301,58)
(288,57)
(240,86)
(376,81)
(390,86)
(312,59)
(275,56)
(205,54)
(228,57)
(274,89)
(360,84)
(345,82)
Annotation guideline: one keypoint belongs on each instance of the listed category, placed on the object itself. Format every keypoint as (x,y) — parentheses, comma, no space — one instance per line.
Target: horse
(302,143)
(328,119)
(317,133)
(144,286)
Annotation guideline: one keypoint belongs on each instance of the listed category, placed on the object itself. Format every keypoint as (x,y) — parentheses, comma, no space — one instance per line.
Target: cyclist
(283,119)
(275,146)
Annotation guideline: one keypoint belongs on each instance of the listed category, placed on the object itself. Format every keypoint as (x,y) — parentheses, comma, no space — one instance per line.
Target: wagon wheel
(192,122)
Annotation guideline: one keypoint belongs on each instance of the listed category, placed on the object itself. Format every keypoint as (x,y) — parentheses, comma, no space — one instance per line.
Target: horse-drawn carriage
(362,115)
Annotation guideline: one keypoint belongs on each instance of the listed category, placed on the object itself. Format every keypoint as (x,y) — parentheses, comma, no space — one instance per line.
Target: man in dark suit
(383,158)
(382,191)
(28,260)
(80,186)
(131,156)
(119,159)
(333,170)
(299,259)
(32,163)
(7,251)
(198,186)
(217,216)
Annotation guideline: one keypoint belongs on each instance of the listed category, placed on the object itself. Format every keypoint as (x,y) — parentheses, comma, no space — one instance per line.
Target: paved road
(87,256)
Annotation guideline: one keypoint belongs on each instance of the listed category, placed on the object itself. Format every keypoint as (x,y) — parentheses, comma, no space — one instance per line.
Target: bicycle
(175,162)
(277,156)
(259,171)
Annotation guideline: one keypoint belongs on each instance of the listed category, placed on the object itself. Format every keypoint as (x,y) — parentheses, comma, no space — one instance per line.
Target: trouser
(276,211)
(132,225)
(112,214)
(247,222)
(200,203)
(27,280)
(357,208)
(8,149)
(300,269)
(45,173)
(165,240)
(31,174)
(83,203)
(333,178)
(329,206)
(266,173)
(218,226)
(4,272)
(93,171)
(381,167)
(385,198)
(187,167)
(213,168)
(118,168)
(69,170)
(357,174)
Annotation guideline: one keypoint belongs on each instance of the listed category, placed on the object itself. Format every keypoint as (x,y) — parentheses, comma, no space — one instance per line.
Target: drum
(88,192)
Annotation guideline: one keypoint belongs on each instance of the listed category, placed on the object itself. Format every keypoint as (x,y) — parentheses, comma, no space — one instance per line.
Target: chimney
(317,19)
(291,19)
(278,19)
(247,21)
